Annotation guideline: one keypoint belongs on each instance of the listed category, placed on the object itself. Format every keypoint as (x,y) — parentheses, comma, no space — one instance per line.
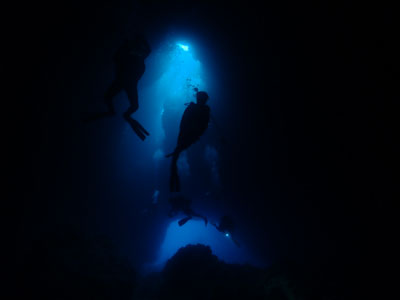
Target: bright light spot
(227,234)
(172,73)
(184,47)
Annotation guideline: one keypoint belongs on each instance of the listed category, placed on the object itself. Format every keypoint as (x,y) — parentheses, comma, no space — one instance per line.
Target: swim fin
(141,128)
(138,128)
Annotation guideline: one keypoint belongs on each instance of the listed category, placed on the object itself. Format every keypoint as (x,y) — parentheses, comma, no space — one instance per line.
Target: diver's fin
(183,221)
(141,128)
(139,133)
(136,128)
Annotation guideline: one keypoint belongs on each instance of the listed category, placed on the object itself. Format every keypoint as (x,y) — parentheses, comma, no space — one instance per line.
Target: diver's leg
(111,92)
(178,149)
(174,183)
(174,174)
(132,93)
(177,180)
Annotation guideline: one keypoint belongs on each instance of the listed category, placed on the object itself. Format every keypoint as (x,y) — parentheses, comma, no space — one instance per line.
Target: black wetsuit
(194,123)
(129,68)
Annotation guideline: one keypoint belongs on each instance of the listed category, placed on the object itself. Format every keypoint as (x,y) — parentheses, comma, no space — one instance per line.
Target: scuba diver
(226,226)
(129,68)
(193,124)
(179,203)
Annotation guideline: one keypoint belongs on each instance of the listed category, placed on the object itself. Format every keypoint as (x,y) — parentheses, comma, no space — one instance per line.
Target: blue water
(172,72)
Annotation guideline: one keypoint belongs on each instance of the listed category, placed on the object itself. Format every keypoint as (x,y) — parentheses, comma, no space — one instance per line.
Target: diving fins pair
(138,129)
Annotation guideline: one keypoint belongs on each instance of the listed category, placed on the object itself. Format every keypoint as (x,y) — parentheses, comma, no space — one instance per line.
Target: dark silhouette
(195,273)
(179,203)
(129,68)
(227,227)
(193,124)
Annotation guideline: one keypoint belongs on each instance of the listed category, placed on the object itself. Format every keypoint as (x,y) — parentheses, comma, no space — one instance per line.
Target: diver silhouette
(179,203)
(129,68)
(227,227)
(193,124)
